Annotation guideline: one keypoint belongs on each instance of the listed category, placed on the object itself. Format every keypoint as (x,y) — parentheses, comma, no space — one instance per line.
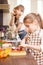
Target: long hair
(39,20)
(21,7)
(33,16)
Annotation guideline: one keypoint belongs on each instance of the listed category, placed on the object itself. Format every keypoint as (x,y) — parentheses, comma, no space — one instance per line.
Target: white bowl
(6,45)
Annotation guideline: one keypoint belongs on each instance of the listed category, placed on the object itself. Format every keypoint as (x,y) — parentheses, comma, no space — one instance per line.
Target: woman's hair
(21,7)
(33,16)
(39,20)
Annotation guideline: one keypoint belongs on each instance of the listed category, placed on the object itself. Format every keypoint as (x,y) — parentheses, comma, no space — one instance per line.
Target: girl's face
(18,13)
(30,25)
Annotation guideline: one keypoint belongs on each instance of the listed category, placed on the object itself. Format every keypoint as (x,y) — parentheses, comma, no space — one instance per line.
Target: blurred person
(16,21)
(34,38)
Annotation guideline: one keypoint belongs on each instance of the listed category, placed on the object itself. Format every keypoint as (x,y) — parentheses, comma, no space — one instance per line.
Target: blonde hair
(39,20)
(33,16)
(21,7)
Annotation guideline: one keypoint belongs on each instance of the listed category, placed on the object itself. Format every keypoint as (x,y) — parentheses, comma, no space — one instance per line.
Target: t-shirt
(21,21)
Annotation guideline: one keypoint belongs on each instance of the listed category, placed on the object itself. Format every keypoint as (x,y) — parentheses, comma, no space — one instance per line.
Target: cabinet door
(1,17)
(0,1)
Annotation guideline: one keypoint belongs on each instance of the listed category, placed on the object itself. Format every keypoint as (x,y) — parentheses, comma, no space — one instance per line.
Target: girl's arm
(12,20)
(34,47)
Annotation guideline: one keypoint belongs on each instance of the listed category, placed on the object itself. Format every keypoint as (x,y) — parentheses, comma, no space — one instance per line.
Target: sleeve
(21,19)
(41,45)
(41,41)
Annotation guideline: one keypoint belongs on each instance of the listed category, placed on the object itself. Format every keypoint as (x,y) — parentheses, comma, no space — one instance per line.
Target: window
(39,7)
(27,5)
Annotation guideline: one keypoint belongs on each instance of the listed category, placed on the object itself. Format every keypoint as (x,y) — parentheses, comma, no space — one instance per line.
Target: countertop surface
(18,60)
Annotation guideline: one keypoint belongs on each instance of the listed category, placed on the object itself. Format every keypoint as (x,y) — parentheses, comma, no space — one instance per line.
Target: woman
(17,21)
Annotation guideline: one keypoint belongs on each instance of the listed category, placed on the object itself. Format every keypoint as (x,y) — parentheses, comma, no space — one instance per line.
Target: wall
(6,15)
(33,5)
(13,3)
(6,18)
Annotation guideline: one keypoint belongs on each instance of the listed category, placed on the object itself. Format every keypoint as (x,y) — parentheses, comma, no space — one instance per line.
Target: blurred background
(6,7)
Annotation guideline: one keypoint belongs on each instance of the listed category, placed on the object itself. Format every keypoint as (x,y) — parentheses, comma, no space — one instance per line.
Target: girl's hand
(23,45)
(13,14)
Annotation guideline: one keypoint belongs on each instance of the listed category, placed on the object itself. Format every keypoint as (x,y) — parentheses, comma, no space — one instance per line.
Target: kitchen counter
(18,60)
